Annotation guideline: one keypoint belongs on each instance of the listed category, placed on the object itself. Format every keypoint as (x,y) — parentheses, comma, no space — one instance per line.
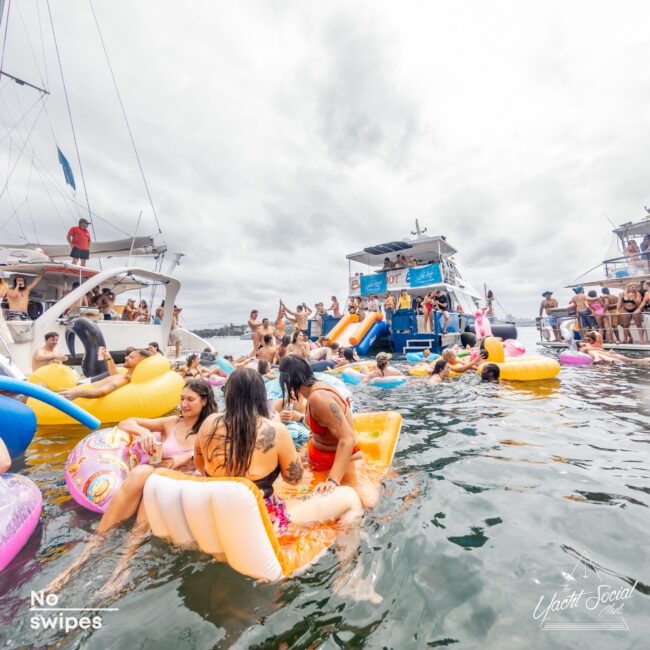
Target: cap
(82,220)
(578,289)
(547,293)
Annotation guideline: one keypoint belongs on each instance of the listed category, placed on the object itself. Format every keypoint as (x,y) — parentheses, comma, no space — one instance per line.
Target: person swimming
(491,373)
(382,369)
(439,372)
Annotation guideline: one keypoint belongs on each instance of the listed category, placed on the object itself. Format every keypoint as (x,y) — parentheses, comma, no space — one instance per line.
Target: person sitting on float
(593,346)
(174,438)
(382,369)
(193,368)
(349,356)
(111,383)
(265,370)
(244,442)
(291,410)
(299,345)
(333,444)
(456,365)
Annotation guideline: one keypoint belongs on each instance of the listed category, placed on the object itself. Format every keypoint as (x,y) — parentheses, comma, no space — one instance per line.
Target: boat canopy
(121,247)
(633,229)
(425,248)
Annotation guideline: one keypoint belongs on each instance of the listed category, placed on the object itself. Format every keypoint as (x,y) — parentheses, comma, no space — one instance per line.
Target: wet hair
(245,398)
(382,360)
(592,294)
(490,372)
(191,358)
(295,373)
(447,354)
(348,354)
(51,335)
(439,366)
(262,366)
(203,390)
(267,338)
(155,346)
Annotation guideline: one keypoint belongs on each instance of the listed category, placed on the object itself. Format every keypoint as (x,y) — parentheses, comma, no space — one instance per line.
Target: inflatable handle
(46,395)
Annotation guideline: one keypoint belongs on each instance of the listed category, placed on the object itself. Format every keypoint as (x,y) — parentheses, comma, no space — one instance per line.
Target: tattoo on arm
(335,410)
(294,472)
(266,439)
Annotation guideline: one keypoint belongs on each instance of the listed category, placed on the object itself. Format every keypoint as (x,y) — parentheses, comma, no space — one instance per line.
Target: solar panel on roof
(388,247)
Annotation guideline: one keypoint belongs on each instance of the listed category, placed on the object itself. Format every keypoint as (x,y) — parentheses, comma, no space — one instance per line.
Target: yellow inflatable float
(154,390)
(524,368)
(227,518)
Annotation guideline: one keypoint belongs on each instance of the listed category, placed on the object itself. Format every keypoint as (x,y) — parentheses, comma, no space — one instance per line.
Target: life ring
(388,382)
(20,508)
(98,465)
(153,391)
(216,380)
(226,517)
(575,358)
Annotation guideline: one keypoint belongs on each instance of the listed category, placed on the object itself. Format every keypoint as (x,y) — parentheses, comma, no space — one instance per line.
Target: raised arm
(288,311)
(307,309)
(35,281)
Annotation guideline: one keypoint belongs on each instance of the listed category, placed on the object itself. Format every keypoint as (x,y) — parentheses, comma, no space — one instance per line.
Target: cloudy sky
(279,136)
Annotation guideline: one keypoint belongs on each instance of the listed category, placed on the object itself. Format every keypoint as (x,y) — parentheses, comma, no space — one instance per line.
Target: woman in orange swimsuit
(332,446)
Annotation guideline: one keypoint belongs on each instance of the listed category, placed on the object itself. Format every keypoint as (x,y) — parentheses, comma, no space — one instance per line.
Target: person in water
(110,384)
(299,345)
(333,444)
(18,297)
(193,368)
(176,436)
(382,369)
(456,365)
(49,353)
(491,373)
(244,442)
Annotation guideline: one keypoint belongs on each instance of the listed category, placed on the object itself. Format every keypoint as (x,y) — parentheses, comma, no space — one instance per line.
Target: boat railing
(628,266)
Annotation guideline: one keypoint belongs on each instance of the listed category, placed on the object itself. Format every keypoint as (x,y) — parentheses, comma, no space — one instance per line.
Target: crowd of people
(612,316)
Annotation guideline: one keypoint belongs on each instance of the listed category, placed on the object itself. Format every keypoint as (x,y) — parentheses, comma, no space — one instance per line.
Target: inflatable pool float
(226,517)
(98,465)
(482,326)
(224,365)
(19,420)
(299,431)
(575,358)
(388,382)
(416,357)
(153,391)
(352,376)
(368,363)
(216,380)
(526,368)
(514,348)
(20,507)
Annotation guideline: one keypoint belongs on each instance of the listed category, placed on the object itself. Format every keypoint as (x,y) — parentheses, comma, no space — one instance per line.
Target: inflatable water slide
(349,332)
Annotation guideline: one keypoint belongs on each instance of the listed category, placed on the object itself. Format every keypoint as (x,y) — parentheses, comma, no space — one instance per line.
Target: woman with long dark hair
(299,344)
(244,442)
(333,444)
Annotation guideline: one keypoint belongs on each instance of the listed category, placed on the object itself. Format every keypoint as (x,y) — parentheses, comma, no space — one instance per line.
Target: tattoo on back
(335,410)
(294,471)
(266,438)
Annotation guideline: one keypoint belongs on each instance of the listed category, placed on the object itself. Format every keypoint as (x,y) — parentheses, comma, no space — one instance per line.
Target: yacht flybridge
(55,300)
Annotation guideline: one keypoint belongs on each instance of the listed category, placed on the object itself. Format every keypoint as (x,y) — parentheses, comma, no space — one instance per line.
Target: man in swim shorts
(300,317)
(548,303)
(110,384)
(18,297)
(268,351)
(579,301)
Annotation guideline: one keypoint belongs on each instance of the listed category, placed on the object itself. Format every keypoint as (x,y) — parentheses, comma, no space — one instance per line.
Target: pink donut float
(514,348)
(216,380)
(20,507)
(575,358)
(98,465)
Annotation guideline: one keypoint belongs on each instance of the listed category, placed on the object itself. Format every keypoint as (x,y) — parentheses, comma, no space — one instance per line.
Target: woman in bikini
(299,345)
(596,305)
(611,315)
(333,444)
(382,369)
(628,304)
(427,304)
(194,369)
(244,442)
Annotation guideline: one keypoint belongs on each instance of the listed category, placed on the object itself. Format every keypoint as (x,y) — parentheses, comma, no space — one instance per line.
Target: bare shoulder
(267,435)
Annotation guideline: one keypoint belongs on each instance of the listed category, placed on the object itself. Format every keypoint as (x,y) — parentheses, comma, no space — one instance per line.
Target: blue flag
(67,170)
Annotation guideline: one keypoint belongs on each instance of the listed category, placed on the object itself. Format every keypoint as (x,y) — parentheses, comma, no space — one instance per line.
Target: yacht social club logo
(586,601)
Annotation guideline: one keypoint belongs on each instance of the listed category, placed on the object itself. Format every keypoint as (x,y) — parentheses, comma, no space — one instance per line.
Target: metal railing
(629,266)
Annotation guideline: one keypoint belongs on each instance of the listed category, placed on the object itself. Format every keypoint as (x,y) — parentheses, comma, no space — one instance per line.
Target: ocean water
(502,500)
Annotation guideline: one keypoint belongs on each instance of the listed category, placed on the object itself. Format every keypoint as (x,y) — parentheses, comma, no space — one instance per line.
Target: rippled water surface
(495,495)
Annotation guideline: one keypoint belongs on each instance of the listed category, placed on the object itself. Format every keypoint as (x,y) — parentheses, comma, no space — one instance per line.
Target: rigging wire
(15,124)
(40,29)
(29,42)
(128,126)
(74,135)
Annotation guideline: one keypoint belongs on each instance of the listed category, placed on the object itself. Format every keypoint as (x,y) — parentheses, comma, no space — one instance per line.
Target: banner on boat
(395,280)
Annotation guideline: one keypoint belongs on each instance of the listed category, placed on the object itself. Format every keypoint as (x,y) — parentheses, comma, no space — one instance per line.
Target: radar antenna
(419,232)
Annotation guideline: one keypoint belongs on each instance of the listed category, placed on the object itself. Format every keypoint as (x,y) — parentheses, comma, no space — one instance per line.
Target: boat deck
(629,347)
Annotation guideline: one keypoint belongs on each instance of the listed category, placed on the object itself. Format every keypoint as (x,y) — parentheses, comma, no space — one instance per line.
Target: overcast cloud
(279,136)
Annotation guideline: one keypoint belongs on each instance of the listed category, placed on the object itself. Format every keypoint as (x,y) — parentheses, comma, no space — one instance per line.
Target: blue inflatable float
(415,357)
(19,421)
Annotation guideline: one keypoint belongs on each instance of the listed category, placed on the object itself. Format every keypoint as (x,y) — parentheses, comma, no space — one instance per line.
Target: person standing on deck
(389,307)
(334,308)
(254,326)
(174,333)
(547,305)
(18,297)
(79,240)
(404,300)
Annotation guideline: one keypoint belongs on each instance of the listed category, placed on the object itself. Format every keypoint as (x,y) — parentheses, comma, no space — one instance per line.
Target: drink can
(156,457)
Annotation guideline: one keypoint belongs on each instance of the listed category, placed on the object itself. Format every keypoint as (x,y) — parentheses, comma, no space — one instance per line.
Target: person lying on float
(382,369)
